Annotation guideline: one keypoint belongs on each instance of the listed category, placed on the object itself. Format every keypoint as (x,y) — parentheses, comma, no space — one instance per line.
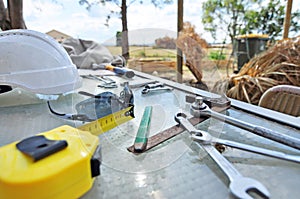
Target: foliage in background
(142,54)
(237,17)
(269,20)
(216,55)
(224,16)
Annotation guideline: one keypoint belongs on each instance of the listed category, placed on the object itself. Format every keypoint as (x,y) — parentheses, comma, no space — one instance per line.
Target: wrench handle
(228,168)
(278,137)
(258,150)
(267,133)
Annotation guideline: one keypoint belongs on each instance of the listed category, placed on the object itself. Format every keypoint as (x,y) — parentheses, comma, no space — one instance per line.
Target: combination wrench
(147,91)
(206,138)
(239,185)
(200,109)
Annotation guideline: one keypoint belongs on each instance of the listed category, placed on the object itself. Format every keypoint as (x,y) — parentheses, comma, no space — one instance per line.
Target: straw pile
(193,47)
(278,65)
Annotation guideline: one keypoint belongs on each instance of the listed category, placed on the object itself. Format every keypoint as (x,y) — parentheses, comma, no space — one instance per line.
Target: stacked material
(278,65)
(193,47)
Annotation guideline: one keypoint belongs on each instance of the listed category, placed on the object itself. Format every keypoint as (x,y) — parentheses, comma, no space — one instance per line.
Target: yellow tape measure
(108,122)
(60,163)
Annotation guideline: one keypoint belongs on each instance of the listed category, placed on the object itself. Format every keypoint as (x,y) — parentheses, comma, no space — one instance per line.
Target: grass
(161,54)
(145,52)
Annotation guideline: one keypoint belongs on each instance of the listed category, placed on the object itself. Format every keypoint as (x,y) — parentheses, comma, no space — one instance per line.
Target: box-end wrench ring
(239,186)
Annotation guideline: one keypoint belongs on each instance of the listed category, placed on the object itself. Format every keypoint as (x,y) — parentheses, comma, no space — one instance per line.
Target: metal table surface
(177,168)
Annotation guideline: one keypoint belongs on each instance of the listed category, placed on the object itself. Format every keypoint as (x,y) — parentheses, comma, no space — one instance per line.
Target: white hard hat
(36,62)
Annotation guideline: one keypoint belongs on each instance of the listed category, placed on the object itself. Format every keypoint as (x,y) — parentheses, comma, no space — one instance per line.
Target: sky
(145,21)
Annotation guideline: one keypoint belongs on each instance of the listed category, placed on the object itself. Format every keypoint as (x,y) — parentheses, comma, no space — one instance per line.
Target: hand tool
(239,185)
(104,85)
(118,70)
(100,78)
(147,91)
(61,163)
(200,109)
(100,125)
(154,85)
(139,83)
(72,154)
(210,101)
(103,111)
(106,82)
(126,95)
(206,138)
(281,118)
(141,138)
(168,133)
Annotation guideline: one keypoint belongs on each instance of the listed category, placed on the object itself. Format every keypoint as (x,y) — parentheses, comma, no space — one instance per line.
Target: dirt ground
(162,63)
(212,71)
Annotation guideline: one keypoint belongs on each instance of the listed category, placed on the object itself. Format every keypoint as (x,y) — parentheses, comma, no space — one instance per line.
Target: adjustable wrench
(239,186)
(200,109)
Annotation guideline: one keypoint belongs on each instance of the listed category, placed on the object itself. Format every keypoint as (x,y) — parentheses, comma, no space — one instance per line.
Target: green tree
(239,17)
(123,5)
(269,20)
(224,15)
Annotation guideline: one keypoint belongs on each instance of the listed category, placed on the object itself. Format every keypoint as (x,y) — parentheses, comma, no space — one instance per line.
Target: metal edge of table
(267,113)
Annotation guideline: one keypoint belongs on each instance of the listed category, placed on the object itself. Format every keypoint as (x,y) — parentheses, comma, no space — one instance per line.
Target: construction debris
(193,47)
(278,65)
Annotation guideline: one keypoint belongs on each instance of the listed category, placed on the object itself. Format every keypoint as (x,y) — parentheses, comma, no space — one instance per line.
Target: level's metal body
(141,138)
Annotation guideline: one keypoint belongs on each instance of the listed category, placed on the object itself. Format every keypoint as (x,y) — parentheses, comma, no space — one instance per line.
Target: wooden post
(287,19)
(179,28)
(125,44)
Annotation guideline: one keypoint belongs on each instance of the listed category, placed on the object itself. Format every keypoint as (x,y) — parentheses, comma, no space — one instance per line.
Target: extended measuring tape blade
(108,122)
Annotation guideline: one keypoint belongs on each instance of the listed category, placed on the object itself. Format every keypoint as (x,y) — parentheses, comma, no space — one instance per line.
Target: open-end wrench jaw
(239,186)
(242,187)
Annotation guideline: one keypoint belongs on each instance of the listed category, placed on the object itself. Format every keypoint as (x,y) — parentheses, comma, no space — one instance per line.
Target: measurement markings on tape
(108,122)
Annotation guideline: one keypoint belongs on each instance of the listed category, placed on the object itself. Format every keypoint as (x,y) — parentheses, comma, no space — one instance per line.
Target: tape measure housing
(66,173)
